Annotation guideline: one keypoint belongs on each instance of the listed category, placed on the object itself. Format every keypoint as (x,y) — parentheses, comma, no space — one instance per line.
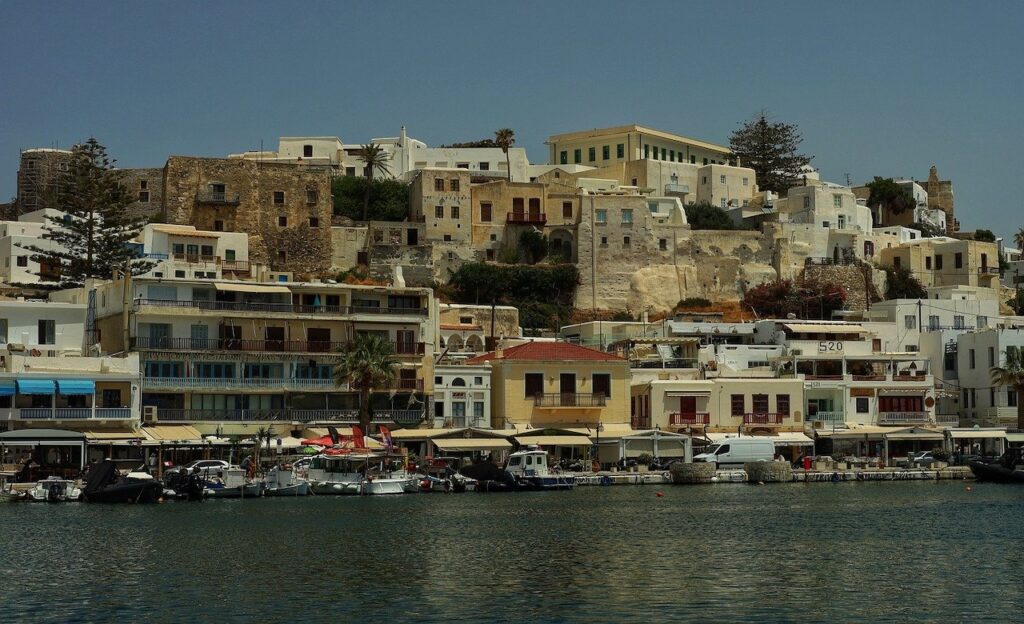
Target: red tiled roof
(549,352)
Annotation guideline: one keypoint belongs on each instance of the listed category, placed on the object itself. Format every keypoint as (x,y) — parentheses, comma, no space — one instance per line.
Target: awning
(684,393)
(245,287)
(113,436)
(184,230)
(185,434)
(960,434)
(554,440)
(76,386)
(6,388)
(823,328)
(472,444)
(36,386)
(1015,437)
(792,438)
(914,435)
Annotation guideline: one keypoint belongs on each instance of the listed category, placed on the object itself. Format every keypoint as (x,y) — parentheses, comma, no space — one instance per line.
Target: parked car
(924,459)
(207,467)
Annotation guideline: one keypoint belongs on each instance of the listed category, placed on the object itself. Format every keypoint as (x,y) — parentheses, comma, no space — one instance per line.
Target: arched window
(869,249)
(458,382)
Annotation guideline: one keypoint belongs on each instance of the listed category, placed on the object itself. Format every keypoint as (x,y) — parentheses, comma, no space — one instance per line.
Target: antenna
(847,179)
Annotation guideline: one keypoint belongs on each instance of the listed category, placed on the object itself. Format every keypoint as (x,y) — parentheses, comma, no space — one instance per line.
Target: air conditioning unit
(149,413)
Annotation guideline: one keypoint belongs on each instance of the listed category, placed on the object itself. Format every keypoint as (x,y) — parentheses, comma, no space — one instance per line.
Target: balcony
(415,385)
(988,270)
(678,189)
(215,197)
(569,399)
(341,416)
(828,417)
(71,413)
(233,344)
(525,218)
(234,383)
(764,418)
(195,258)
(235,266)
(903,418)
(689,418)
(947,420)
(284,308)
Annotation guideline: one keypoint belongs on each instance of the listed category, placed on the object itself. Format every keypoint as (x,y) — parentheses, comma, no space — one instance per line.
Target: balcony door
(567,388)
(274,337)
(534,209)
(405,341)
(688,408)
(318,339)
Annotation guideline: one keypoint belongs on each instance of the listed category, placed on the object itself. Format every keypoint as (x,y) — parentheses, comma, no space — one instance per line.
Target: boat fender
(606,480)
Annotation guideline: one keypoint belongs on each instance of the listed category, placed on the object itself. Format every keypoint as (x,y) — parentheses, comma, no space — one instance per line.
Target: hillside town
(639,295)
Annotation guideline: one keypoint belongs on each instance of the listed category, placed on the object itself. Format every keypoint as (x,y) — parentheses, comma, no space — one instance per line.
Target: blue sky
(877,88)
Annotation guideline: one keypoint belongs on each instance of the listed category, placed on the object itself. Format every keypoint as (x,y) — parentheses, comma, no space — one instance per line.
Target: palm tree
(1018,238)
(1011,373)
(366,364)
(375,160)
(505,138)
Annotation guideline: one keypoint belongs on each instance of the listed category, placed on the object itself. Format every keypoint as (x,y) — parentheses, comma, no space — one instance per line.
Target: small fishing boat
(282,481)
(485,476)
(386,474)
(234,484)
(530,469)
(55,490)
(337,472)
(105,484)
(1009,468)
(440,474)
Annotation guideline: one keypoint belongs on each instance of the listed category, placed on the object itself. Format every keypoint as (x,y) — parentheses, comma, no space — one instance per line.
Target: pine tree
(770,150)
(92,238)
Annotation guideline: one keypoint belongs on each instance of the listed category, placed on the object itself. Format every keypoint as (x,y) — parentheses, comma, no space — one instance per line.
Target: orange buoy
(659,494)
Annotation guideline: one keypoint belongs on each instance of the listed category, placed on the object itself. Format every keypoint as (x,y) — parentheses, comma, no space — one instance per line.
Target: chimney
(499,354)
(401,137)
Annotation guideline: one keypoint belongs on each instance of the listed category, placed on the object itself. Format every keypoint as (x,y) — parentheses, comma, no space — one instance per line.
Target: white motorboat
(234,484)
(337,474)
(386,474)
(282,481)
(530,469)
(55,490)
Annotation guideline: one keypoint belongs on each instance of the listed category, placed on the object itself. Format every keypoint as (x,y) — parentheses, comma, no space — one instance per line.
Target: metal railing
(406,384)
(240,383)
(988,270)
(282,307)
(689,418)
(237,344)
(527,218)
(235,266)
(947,419)
(899,418)
(73,413)
(669,363)
(213,197)
(195,258)
(764,418)
(343,416)
(570,399)
(829,417)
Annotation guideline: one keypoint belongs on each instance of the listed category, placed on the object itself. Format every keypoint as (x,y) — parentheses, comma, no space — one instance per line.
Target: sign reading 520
(826,346)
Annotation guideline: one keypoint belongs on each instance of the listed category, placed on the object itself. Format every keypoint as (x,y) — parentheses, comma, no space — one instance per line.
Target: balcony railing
(195,258)
(764,418)
(900,418)
(950,420)
(407,384)
(527,218)
(988,270)
(570,399)
(343,416)
(238,383)
(285,308)
(829,417)
(72,413)
(669,363)
(213,197)
(689,418)
(677,188)
(236,344)
(235,266)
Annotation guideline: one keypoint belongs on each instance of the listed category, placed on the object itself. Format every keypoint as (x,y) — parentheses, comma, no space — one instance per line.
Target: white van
(738,451)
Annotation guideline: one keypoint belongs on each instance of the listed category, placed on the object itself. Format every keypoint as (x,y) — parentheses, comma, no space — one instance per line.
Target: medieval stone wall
(147,187)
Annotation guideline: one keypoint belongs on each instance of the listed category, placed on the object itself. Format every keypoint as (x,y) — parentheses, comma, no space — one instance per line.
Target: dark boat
(105,484)
(186,485)
(489,478)
(1002,470)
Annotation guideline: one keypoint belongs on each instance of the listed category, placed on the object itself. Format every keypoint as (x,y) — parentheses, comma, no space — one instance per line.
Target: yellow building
(555,385)
(943,261)
(605,146)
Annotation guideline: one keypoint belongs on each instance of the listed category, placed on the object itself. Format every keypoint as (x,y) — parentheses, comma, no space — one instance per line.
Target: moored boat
(105,484)
(282,481)
(1009,468)
(530,469)
(337,473)
(55,490)
(234,484)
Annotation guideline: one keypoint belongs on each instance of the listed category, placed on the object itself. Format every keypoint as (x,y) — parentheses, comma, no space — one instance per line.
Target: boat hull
(546,483)
(252,490)
(135,492)
(296,489)
(996,472)
(334,488)
(55,491)
(377,487)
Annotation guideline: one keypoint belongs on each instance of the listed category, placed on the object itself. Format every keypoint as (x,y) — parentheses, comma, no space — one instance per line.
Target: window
(606,152)
(761,404)
(967,399)
(22,261)
(3,330)
(970,358)
(350,172)
(862,405)
(1011,398)
(534,384)
(282,221)
(314,222)
(278,198)
(592,154)
(992,397)
(455,212)
(958,322)
(307,151)
(745,181)
(218,226)
(454,184)
(229,255)
(577,156)
(566,210)
(958,260)
(620,151)
(485,212)
(478,381)
(602,384)
(782,404)
(896,262)
(439,212)
(721,179)
(938,262)
(837,201)
(144,197)
(705,161)
(206,250)
(625,241)
(933,322)
(448,238)
(312,196)
(982,321)
(438,184)
(693,160)
(47,332)
(663,244)
(647,151)
(179,273)
(723,203)
(464,165)
(604,241)
(928,263)
(563,158)
(910,321)
(627,216)
(991,356)
(484,166)
(807,201)
(869,247)
(663,153)
(282,256)
(738,404)
(841,222)
(494,237)
(601,215)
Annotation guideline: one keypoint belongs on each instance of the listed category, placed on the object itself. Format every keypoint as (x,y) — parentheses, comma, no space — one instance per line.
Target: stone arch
(455,343)
(458,382)
(474,344)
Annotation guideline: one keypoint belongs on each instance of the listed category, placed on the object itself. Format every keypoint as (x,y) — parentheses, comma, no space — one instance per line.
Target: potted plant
(644,461)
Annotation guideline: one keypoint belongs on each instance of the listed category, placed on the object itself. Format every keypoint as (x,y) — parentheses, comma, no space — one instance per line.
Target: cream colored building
(944,261)
(605,146)
(538,385)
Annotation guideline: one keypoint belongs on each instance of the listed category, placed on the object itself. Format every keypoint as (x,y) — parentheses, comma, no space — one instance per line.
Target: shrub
(810,300)
(694,302)
(533,245)
(903,285)
(704,216)
(389,199)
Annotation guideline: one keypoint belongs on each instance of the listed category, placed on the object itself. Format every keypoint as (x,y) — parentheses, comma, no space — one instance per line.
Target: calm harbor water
(811,552)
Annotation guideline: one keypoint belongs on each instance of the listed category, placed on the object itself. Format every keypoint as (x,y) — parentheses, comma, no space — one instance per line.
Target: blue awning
(76,386)
(35,386)
(6,388)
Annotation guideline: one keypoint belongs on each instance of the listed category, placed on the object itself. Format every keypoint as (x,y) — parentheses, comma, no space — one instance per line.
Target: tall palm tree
(366,364)
(375,160)
(1011,373)
(505,138)
(1018,238)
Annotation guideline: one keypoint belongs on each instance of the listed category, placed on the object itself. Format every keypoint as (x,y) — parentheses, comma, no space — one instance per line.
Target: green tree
(810,300)
(389,199)
(903,285)
(985,236)
(1011,373)
(890,196)
(480,143)
(770,149)
(1018,238)
(505,138)
(534,246)
(367,364)
(375,160)
(94,239)
(927,229)
(704,216)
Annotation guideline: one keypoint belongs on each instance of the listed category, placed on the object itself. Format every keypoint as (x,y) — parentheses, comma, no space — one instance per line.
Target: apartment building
(605,146)
(17,266)
(983,402)
(318,152)
(462,396)
(944,261)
